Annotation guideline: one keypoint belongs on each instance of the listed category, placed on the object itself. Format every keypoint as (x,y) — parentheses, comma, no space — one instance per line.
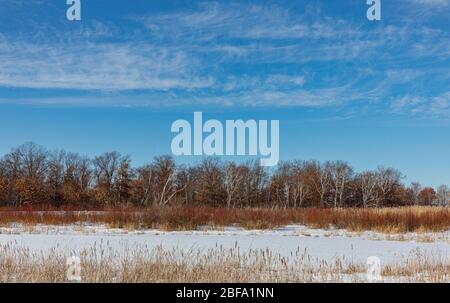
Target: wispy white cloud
(407,103)
(440,105)
(437,106)
(20,3)
(229,53)
(245,21)
(97,66)
(255,97)
(434,3)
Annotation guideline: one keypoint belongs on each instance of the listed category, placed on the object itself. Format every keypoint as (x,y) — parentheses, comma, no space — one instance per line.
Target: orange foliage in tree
(29,190)
(71,192)
(427,196)
(30,175)
(3,188)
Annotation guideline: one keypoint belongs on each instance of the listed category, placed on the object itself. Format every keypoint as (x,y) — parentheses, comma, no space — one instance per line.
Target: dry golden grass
(386,220)
(214,265)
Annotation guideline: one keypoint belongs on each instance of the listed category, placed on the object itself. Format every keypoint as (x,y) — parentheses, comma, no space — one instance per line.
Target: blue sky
(370,93)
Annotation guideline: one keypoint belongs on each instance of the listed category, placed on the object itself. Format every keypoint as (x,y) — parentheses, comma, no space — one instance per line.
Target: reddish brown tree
(427,196)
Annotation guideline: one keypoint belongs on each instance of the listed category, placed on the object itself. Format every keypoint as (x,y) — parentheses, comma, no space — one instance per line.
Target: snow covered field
(320,244)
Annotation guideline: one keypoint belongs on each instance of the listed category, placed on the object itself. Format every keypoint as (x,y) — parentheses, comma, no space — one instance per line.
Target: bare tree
(106,166)
(299,183)
(123,182)
(12,167)
(166,179)
(55,175)
(255,184)
(414,190)
(367,183)
(186,179)
(145,184)
(321,179)
(105,169)
(33,160)
(443,195)
(210,181)
(233,177)
(340,174)
(33,169)
(388,180)
(280,184)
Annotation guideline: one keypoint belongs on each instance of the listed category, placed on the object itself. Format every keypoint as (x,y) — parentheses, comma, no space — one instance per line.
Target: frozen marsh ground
(301,254)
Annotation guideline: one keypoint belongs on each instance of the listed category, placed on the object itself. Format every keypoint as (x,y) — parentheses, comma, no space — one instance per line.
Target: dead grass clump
(139,264)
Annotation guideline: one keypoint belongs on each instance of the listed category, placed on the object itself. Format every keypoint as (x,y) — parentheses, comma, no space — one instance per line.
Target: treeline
(32,175)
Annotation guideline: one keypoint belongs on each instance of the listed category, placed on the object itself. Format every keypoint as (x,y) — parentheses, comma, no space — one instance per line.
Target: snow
(318,243)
